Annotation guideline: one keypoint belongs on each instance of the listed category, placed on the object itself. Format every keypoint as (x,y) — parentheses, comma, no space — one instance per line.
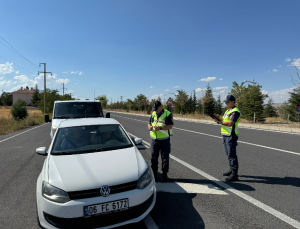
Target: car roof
(87,122)
(77,101)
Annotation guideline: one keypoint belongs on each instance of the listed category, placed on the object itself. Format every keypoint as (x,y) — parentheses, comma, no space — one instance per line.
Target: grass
(8,124)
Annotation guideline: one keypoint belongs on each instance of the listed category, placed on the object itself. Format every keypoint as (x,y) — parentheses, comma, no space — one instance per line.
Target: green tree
(35,96)
(219,108)
(19,110)
(293,103)
(181,99)
(141,101)
(209,101)
(269,110)
(6,98)
(239,92)
(253,103)
(104,100)
(51,97)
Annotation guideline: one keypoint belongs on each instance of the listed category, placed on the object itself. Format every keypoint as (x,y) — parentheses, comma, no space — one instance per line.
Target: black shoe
(228,173)
(164,177)
(233,176)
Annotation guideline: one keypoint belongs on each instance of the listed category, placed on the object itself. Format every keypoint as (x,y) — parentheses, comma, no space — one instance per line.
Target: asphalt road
(267,195)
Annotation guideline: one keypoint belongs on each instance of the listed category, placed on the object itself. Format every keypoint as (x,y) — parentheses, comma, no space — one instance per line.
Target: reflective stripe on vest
(226,130)
(161,121)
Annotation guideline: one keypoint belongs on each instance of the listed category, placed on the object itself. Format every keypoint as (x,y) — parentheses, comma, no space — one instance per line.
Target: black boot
(233,176)
(228,173)
(164,177)
(154,173)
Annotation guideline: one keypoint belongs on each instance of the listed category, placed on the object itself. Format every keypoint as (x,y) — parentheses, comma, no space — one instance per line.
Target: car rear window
(77,110)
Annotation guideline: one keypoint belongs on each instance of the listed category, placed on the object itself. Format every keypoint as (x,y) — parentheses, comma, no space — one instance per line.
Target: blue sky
(129,47)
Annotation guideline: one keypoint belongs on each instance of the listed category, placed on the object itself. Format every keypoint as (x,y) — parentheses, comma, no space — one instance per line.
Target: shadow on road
(176,210)
(292,181)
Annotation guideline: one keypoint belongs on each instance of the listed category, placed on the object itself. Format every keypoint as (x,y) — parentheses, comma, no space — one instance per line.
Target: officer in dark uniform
(160,127)
(230,134)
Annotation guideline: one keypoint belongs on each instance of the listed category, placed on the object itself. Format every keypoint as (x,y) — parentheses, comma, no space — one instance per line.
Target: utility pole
(64,88)
(121,98)
(44,85)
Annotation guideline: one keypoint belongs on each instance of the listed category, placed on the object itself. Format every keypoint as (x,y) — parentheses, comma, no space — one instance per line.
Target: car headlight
(145,179)
(54,194)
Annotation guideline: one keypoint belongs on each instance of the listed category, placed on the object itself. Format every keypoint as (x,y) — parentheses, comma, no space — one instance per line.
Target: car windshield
(88,139)
(77,110)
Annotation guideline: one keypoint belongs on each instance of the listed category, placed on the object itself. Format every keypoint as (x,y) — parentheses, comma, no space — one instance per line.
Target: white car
(93,177)
(71,109)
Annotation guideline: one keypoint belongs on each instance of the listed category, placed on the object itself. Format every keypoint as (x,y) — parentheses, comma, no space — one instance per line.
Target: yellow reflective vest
(161,121)
(226,130)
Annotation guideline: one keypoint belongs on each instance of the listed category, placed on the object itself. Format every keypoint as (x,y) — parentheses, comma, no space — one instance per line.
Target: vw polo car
(93,177)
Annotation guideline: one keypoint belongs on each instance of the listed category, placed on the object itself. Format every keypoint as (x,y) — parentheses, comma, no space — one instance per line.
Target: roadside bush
(19,110)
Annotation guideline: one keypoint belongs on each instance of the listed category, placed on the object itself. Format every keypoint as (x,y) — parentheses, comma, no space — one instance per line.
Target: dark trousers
(164,146)
(230,143)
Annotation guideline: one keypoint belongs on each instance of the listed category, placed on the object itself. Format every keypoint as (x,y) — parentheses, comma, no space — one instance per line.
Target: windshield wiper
(66,117)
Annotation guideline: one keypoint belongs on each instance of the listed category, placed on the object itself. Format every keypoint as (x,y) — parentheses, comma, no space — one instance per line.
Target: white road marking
(244,127)
(250,199)
(22,132)
(214,136)
(175,187)
(149,222)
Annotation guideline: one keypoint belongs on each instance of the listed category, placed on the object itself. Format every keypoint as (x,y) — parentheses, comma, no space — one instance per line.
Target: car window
(77,110)
(85,139)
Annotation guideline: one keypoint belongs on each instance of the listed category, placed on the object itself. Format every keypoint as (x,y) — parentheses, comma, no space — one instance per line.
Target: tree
(51,97)
(104,100)
(239,92)
(209,101)
(253,103)
(35,96)
(218,108)
(181,99)
(141,102)
(6,98)
(19,110)
(293,103)
(269,110)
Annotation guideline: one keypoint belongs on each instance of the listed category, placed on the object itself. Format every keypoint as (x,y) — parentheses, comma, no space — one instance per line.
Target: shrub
(19,110)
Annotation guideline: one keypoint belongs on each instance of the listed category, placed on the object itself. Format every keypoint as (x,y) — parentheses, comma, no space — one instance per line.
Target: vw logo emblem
(105,190)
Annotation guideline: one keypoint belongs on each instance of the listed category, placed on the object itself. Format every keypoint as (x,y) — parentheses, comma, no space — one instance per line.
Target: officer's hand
(150,127)
(157,128)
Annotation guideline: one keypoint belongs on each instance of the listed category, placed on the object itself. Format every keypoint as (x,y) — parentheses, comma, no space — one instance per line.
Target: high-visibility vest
(226,130)
(161,121)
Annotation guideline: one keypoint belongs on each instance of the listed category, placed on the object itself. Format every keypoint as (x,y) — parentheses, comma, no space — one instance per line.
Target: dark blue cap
(229,98)
(156,105)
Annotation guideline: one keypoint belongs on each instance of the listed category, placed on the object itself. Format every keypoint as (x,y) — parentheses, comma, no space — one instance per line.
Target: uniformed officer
(230,134)
(160,126)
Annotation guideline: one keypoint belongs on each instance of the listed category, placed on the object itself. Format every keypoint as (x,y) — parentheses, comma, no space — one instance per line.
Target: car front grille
(96,192)
(102,220)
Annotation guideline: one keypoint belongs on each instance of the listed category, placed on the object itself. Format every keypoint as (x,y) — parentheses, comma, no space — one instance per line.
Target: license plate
(106,208)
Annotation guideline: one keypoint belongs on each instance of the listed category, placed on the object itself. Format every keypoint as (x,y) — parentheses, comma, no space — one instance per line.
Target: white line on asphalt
(22,132)
(244,127)
(250,199)
(179,187)
(248,143)
(149,222)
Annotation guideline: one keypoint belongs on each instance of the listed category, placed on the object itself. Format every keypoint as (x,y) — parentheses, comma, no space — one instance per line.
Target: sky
(129,47)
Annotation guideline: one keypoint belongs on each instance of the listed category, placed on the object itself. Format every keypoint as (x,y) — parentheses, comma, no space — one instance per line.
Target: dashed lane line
(248,143)
(227,187)
(22,133)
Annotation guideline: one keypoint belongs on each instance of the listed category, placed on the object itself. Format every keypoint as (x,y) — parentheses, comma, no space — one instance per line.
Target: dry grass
(8,124)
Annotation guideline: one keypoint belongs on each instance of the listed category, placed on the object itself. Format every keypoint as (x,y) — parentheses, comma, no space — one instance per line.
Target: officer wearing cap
(160,126)
(230,134)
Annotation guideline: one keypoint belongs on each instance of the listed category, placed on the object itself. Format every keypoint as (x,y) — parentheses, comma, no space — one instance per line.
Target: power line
(17,52)
(16,65)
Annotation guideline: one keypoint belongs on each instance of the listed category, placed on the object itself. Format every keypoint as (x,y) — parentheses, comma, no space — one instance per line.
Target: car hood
(56,122)
(93,170)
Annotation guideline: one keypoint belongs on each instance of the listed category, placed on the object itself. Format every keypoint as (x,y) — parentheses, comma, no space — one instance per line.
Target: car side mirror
(138,141)
(107,115)
(41,151)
